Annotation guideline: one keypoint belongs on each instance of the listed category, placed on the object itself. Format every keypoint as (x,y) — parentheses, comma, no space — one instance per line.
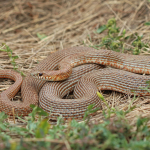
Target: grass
(114,133)
(117,40)
(5,48)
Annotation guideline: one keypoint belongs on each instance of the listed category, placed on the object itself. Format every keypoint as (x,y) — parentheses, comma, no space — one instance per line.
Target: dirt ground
(67,24)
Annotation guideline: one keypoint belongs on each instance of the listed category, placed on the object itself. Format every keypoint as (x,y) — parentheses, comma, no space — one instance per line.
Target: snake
(78,68)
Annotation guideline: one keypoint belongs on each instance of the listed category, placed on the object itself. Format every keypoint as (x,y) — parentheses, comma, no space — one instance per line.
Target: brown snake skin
(50,95)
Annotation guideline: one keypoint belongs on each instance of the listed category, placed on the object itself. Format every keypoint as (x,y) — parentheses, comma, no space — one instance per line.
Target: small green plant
(109,111)
(114,133)
(90,110)
(6,48)
(117,40)
(112,40)
(138,45)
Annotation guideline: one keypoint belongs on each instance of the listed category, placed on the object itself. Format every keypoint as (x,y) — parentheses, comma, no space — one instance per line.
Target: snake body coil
(50,96)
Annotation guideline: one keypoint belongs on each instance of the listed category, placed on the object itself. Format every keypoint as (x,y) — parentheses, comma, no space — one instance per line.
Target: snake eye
(40,74)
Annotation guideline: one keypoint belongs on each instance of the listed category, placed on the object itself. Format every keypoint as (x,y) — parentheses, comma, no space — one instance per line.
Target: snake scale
(49,95)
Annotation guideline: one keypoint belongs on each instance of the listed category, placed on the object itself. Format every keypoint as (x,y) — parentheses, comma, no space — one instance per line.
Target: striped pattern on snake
(75,108)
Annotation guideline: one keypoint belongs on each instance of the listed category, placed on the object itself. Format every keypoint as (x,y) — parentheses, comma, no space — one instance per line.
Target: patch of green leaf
(42,129)
(101,29)
(41,36)
(147,23)
(37,110)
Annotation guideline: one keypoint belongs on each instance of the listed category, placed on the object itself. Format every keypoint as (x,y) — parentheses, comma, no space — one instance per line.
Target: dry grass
(69,23)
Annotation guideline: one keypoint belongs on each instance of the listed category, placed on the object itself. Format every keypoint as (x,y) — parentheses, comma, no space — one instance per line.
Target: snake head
(50,75)
(43,75)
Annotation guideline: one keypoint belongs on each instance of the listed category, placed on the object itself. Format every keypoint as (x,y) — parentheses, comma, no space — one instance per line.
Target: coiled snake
(35,89)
